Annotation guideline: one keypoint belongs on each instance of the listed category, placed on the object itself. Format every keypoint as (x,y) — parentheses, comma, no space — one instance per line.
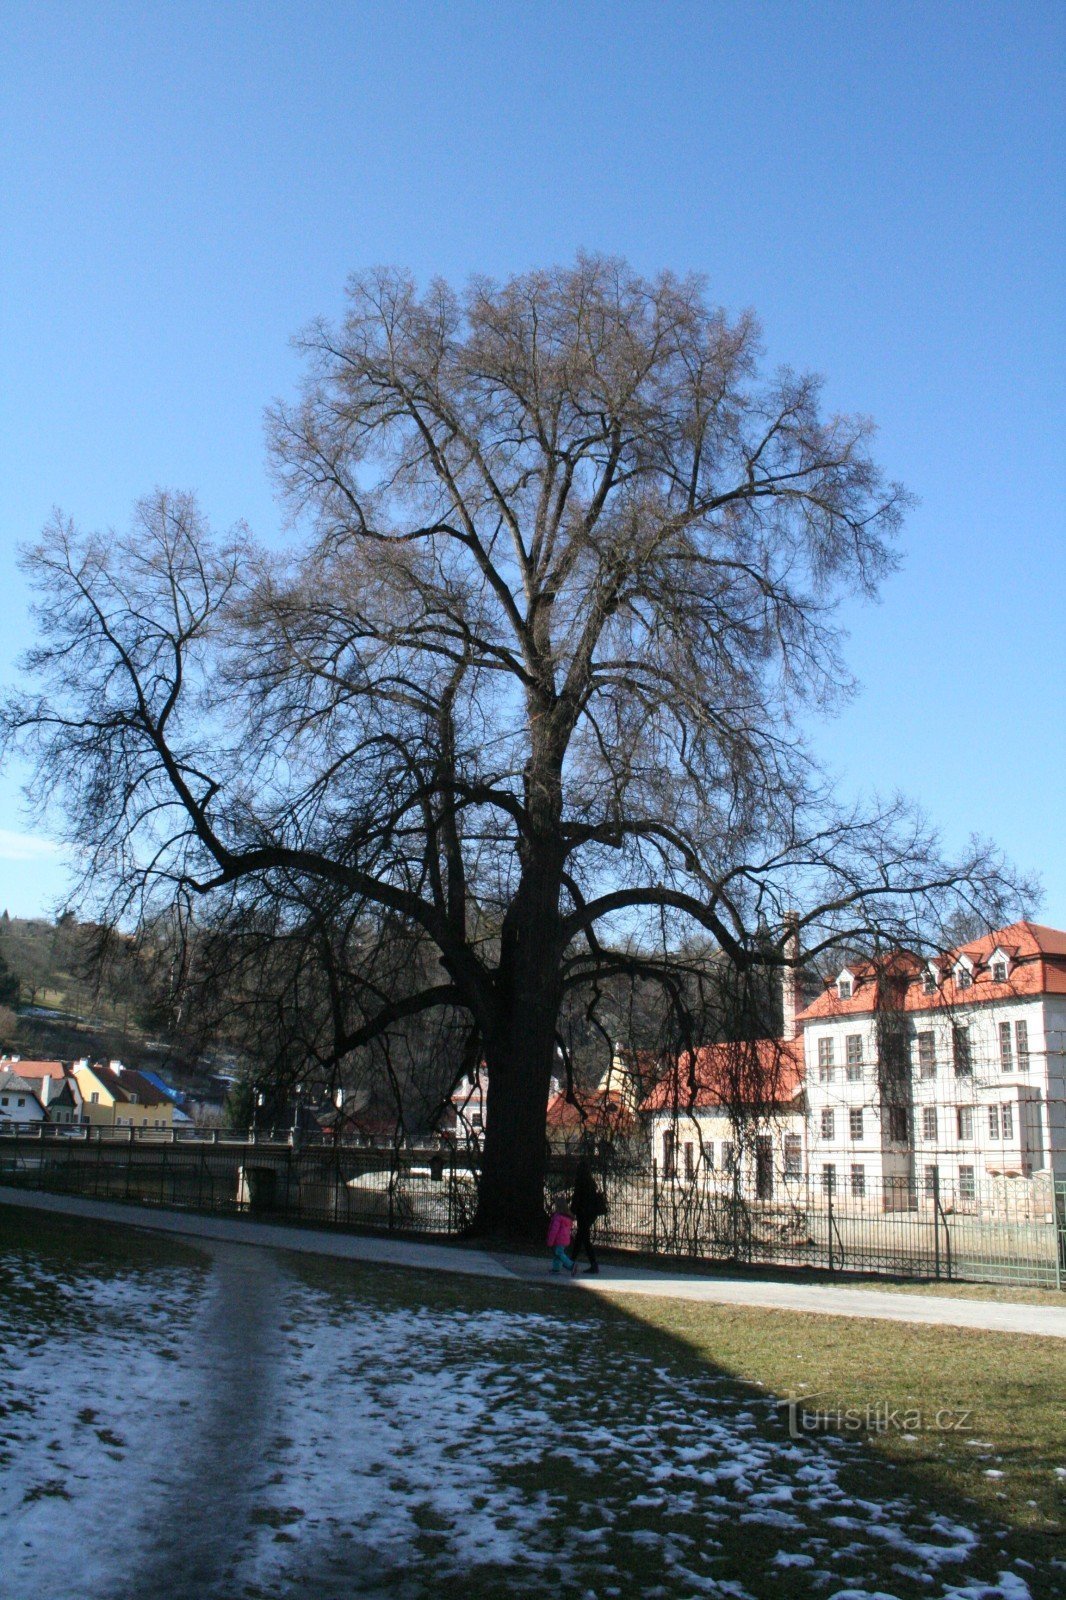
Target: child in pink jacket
(560,1232)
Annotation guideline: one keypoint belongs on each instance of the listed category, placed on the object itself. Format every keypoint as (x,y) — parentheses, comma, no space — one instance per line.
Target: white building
(948,1073)
(18,1102)
(732,1112)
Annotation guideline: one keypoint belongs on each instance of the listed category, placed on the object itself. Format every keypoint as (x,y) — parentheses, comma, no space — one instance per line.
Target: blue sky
(183,187)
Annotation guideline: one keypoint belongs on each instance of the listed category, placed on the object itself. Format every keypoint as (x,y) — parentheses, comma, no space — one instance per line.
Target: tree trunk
(519,1058)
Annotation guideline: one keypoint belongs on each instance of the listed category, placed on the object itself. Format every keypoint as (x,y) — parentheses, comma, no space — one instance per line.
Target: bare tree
(525,697)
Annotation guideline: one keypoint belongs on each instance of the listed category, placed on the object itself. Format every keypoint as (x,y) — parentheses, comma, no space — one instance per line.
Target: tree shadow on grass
(364,1431)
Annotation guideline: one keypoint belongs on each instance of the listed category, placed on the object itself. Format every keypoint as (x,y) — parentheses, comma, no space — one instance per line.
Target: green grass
(620,1362)
(1009,1388)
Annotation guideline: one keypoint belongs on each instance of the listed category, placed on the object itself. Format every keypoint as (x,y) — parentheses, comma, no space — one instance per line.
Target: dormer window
(997,967)
(929,981)
(963,976)
(844,986)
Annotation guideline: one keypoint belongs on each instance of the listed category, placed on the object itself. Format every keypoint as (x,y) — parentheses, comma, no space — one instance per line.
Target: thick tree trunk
(511,1197)
(519,1057)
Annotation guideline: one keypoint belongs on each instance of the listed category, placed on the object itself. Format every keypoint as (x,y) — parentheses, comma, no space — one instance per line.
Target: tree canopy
(520,709)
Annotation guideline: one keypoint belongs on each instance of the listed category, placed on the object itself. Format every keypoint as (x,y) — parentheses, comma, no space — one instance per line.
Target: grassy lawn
(323,1428)
(996,1474)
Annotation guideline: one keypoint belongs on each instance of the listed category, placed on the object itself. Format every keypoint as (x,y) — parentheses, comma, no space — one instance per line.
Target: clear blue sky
(184,186)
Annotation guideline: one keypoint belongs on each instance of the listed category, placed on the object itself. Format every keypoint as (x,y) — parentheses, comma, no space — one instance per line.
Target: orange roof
(39,1069)
(764,1072)
(1036,964)
(591,1111)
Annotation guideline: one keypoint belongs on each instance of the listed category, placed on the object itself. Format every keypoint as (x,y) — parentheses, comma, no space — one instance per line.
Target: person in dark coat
(586,1204)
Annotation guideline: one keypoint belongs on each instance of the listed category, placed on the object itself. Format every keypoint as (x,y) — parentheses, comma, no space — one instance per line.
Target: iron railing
(1004,1231)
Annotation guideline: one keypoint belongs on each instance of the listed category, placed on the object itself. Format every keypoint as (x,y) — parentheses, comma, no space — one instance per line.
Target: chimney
(790,975)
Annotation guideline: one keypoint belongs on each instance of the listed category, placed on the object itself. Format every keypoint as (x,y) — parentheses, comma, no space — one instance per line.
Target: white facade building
(948,1075)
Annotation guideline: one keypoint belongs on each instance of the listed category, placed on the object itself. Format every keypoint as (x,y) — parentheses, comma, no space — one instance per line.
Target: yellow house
(118,1097)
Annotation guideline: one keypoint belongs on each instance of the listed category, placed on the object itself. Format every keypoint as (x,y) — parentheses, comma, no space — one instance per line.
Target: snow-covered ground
(241,1432)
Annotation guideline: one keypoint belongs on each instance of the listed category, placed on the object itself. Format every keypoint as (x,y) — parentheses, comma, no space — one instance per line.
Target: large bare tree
(525,697)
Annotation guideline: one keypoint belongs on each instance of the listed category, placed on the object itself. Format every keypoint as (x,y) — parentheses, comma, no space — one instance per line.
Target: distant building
(54,1084)
(732,1114)
(18,1100)
(948,1071)
(116,1096)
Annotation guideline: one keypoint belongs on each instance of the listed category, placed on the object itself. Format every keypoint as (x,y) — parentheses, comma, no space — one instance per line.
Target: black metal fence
(999,1233)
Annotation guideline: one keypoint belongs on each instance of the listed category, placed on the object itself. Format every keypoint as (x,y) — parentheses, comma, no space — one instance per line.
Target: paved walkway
(825,1299)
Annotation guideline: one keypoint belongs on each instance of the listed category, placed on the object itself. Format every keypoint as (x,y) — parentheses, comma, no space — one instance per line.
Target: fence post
(163,1179)
(655,1208)
(829,1193)
(936,1221)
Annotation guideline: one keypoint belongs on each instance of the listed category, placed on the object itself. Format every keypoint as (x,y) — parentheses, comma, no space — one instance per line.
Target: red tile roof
(39,1069)
(1036,964)
(591,1111)
(766,1072)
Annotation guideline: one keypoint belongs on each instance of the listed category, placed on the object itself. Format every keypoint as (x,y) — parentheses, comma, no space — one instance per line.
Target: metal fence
(1012,1234)
(991,1233)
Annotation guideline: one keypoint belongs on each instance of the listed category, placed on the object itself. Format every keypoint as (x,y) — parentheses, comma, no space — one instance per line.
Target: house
(115,1096)
(54,1085)
(943,1074)
(579,1119)
(462,1119)
(18,1100)
(732,1114)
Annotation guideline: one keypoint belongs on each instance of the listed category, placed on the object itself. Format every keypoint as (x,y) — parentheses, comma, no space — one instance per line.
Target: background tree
(523,701)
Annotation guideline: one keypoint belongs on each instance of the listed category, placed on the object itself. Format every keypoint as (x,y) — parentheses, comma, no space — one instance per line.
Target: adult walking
(587,1204)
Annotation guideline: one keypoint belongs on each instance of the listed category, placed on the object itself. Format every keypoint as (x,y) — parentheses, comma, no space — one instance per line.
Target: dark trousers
(583,1241)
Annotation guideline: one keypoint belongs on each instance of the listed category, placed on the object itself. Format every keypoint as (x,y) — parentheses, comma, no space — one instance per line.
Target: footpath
(615,1278)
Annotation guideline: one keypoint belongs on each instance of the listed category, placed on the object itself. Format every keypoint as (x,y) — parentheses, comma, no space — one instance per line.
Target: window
(1006,1057)
(999,970)
(1021,1045)
(825,1060)
(855,1122)
(897,1124)
(858,1182)
(967,1188)
(964,1122)
(728,1156)
(144,1122)
(95,1098)
(475,1119)
(793,1155)
(960,1049)
(929,1123)
(828,1124)
(668,1155)
(829,1178)
(929,981)
(133,1099)
(993,1122)
(4,1100)
(1008,1122)
(690,1160)
(853,1051)
(963,977)
(844,988)
(927,1054)
(22,1099)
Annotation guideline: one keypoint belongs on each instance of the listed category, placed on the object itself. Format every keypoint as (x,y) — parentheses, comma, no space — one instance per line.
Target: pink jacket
(560,1230)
